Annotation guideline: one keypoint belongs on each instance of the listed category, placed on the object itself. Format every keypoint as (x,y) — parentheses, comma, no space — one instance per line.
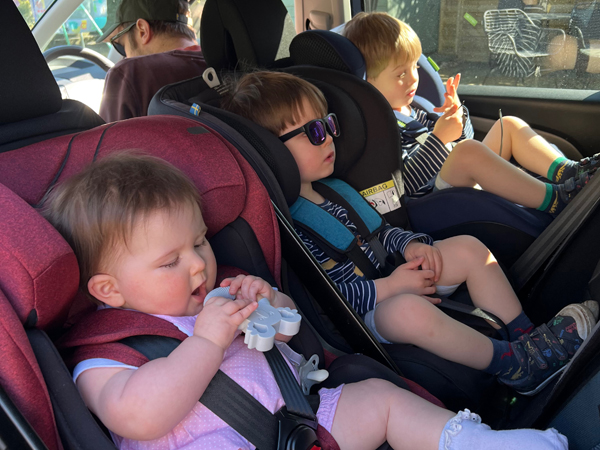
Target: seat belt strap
(453,305)
(295,401)
(367,220)
(231,402)
(558,232)
(242,412)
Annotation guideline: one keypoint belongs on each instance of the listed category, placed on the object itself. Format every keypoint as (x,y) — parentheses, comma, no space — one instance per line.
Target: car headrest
(271,149)
(38,270)
(329,50)
(27,87)
(227,184)
(243,34)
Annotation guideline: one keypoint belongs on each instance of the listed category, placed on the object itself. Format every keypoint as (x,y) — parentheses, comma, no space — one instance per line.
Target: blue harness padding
(334,238)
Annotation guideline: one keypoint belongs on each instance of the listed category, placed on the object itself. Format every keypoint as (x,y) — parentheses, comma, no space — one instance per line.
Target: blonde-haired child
(446,155)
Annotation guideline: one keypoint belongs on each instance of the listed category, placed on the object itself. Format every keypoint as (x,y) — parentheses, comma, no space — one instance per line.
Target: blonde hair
(273,100)
(97,209)
(382,39)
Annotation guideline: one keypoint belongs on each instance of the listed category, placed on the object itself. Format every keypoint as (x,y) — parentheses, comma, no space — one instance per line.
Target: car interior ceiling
(44,139)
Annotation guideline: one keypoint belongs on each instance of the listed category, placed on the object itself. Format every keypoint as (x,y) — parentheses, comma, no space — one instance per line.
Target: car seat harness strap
(292,428)
(334,238)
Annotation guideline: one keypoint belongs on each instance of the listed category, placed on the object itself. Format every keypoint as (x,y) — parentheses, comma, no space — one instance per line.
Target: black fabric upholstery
(281,162)
(73,117)
(27,87)
(329,50)
(241,34)
(368,148)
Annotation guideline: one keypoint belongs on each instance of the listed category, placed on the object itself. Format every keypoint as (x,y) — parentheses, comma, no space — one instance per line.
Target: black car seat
(441,214)
(32,109)
(455,385)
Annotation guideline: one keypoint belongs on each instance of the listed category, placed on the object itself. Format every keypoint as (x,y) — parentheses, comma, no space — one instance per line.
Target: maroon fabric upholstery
(229,186)
(21,377)
(38,268)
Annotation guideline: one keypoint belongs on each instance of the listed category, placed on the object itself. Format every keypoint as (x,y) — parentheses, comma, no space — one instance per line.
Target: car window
(33,10)
(530,43)
(83,27)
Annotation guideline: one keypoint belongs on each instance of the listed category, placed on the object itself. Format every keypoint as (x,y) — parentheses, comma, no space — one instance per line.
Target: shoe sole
(543,384)
(593,306)
(584,318)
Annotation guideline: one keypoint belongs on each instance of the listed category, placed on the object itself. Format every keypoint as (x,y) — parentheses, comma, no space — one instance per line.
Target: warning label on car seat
(384,197)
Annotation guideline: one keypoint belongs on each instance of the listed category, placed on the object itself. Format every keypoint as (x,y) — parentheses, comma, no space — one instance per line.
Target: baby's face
(168,265)
(398,83)
(315,162)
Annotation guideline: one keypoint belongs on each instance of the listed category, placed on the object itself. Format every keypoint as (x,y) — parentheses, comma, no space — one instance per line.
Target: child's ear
(104,288)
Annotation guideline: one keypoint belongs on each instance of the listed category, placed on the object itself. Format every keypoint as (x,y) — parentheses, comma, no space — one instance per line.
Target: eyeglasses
(119,47)
(316,130)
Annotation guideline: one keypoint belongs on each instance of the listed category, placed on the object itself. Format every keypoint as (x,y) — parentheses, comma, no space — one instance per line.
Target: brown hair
(382,39)
(97,209)
(273,100)
(171,29)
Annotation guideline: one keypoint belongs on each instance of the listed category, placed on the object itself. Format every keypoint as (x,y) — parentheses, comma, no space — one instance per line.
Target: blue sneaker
(544,353)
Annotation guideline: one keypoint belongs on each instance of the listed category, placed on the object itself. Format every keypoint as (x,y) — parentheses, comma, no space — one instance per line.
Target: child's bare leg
(465,258)
(523,144)
(471,163)
(373,411)
(412,319)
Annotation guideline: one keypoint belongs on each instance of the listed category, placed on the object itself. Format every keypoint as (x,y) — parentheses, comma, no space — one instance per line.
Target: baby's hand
(432,258)
(249,287)
(220,318)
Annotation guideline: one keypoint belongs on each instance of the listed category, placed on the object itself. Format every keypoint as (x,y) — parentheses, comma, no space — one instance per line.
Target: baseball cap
(132,10)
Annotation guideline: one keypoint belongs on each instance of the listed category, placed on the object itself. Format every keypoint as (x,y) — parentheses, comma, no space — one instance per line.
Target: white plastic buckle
(211,79)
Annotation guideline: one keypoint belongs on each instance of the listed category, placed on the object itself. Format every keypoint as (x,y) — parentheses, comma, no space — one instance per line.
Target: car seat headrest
(329,50)
(27,87)
(271,149)
(38,270)
(242,34)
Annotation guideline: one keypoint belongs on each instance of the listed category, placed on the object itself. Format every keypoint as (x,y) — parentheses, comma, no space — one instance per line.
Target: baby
(137,229)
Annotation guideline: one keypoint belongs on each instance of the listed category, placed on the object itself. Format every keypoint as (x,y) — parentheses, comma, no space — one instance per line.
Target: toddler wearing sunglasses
(397,308)
(443,153)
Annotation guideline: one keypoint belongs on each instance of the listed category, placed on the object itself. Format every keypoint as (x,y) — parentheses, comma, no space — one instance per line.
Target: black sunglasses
(119,47)
(316,130)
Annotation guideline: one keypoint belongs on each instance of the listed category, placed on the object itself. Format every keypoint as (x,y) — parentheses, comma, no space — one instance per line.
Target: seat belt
(329,188)
(556,235)
(340,192)
(240,410)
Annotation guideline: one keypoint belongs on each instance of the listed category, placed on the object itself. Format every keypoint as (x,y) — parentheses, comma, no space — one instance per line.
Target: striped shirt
(359,291)
(422,162)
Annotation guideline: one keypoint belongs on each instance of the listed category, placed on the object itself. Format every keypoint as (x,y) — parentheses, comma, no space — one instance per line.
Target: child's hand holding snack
(449,127)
